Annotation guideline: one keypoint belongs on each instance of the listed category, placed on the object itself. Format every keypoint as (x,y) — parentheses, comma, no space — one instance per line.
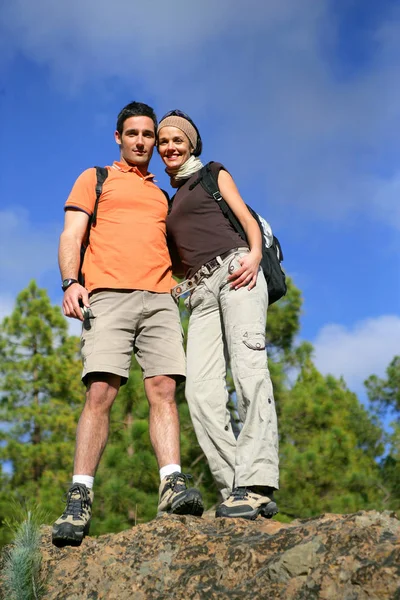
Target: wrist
(66,283)
(256,253)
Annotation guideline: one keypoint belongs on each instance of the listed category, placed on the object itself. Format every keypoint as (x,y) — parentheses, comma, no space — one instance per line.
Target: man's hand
(247,273)
(70,305)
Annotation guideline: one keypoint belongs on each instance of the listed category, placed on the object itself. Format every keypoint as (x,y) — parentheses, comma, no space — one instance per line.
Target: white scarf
(179,174)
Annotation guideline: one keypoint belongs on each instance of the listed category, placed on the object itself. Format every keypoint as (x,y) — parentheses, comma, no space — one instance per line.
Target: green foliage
(40,400)
(283,319)
(329,443)
(385,395)
(390,472)
(329,446)
(386,392)
(21,574)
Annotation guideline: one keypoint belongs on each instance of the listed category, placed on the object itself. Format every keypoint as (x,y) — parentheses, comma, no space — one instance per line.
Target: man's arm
(69,257)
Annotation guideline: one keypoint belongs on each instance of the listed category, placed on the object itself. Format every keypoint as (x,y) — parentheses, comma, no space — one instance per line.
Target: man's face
(137,141)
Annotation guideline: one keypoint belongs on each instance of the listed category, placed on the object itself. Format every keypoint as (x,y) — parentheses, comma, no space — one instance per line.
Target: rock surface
(340,557)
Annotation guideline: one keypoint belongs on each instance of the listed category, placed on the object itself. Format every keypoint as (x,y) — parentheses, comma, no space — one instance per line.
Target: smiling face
(137,141)
(174,146)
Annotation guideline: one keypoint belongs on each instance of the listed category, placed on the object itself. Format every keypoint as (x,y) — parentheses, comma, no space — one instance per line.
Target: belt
(205,271)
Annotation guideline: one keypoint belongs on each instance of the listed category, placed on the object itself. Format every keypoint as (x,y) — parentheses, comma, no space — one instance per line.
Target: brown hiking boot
(175,497)
(246,503)
(74,523)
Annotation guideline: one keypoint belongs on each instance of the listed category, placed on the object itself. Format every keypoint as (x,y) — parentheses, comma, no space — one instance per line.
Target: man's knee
(160,389)
(102,389)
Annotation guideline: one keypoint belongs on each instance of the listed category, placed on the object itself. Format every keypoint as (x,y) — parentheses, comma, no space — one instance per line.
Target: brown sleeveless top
(197,227)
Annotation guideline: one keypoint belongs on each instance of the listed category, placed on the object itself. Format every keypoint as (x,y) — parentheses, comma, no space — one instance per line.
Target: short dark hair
(135,109)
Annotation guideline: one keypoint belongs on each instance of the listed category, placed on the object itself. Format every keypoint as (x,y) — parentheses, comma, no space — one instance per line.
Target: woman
(228,305)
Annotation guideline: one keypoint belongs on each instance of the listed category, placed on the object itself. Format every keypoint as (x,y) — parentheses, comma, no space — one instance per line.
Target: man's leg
(107,345)
(92,434)
(175,496)
(94,422)
(159,351)
(163,419)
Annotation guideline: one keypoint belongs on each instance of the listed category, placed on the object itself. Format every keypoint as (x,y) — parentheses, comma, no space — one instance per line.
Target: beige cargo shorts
(132,321)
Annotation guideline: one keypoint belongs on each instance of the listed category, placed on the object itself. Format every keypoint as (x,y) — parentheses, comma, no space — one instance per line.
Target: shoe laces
(239,493)
(178,481)
(76,505)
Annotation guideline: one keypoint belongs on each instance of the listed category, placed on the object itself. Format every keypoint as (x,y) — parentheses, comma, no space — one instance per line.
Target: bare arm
(69,256)
(247,274)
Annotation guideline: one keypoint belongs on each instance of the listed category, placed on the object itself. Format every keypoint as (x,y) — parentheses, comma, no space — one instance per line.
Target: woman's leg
(244,315)
(206,390)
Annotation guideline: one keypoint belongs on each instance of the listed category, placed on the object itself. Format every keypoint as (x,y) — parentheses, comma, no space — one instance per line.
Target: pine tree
(41,395)
(329,446)
(329,442)
(385,395)
(386,392)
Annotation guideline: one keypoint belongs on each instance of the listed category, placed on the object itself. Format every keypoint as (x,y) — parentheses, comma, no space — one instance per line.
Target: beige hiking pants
(227,324)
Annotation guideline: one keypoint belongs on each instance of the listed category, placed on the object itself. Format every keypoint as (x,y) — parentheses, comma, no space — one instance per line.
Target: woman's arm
(247,274)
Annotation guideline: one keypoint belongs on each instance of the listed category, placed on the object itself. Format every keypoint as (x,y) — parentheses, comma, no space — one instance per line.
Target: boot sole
(267,511)
(190,504)
(68,535)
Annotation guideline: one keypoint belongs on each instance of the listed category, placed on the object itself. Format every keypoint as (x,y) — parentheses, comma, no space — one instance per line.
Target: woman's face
(173,146)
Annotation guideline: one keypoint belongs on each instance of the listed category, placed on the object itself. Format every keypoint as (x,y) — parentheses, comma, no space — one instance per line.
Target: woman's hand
(247,272)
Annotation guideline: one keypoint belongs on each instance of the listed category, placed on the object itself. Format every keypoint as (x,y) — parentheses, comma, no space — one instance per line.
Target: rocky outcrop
(340,557)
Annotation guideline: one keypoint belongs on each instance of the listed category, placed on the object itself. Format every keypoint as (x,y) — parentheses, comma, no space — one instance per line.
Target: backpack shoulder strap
(170,203)
(210,185)
(101,176)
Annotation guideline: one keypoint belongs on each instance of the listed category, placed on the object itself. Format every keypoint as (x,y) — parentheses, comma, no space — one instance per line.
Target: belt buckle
(212,265)
(181,288)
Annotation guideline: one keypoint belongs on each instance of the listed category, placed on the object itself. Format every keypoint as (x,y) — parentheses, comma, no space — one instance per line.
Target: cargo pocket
(88,336)
(249,350)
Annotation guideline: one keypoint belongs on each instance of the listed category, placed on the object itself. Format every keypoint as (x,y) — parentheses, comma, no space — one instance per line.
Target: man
(129,308)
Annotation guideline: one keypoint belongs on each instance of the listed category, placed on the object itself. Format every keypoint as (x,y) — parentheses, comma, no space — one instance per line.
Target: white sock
(85,479)
(168,470)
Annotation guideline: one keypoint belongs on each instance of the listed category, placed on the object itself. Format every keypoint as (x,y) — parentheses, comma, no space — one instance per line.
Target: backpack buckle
(217,196)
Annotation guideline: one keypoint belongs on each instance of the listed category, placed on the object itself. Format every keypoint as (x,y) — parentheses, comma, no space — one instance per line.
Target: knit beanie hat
(182,124)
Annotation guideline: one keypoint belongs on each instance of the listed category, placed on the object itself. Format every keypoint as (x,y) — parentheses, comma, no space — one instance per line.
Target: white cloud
(260,75)
(27,250)
(355,353)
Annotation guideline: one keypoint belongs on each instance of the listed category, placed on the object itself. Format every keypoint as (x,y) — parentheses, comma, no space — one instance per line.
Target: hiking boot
(246,503)
(74,523)
(175,497)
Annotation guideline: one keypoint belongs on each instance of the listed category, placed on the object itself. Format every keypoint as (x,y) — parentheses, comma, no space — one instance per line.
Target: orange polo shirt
(128,248)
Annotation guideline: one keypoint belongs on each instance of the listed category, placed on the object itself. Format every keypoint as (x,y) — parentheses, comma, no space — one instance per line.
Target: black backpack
(101,176)
(272,255)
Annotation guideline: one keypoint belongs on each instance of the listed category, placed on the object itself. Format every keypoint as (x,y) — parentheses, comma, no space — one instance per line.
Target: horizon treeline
(335,454)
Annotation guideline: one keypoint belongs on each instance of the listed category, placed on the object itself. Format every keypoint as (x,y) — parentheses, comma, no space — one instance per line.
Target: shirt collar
(125,168)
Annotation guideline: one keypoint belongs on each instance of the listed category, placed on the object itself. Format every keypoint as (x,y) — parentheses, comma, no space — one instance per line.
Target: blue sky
(300,99)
